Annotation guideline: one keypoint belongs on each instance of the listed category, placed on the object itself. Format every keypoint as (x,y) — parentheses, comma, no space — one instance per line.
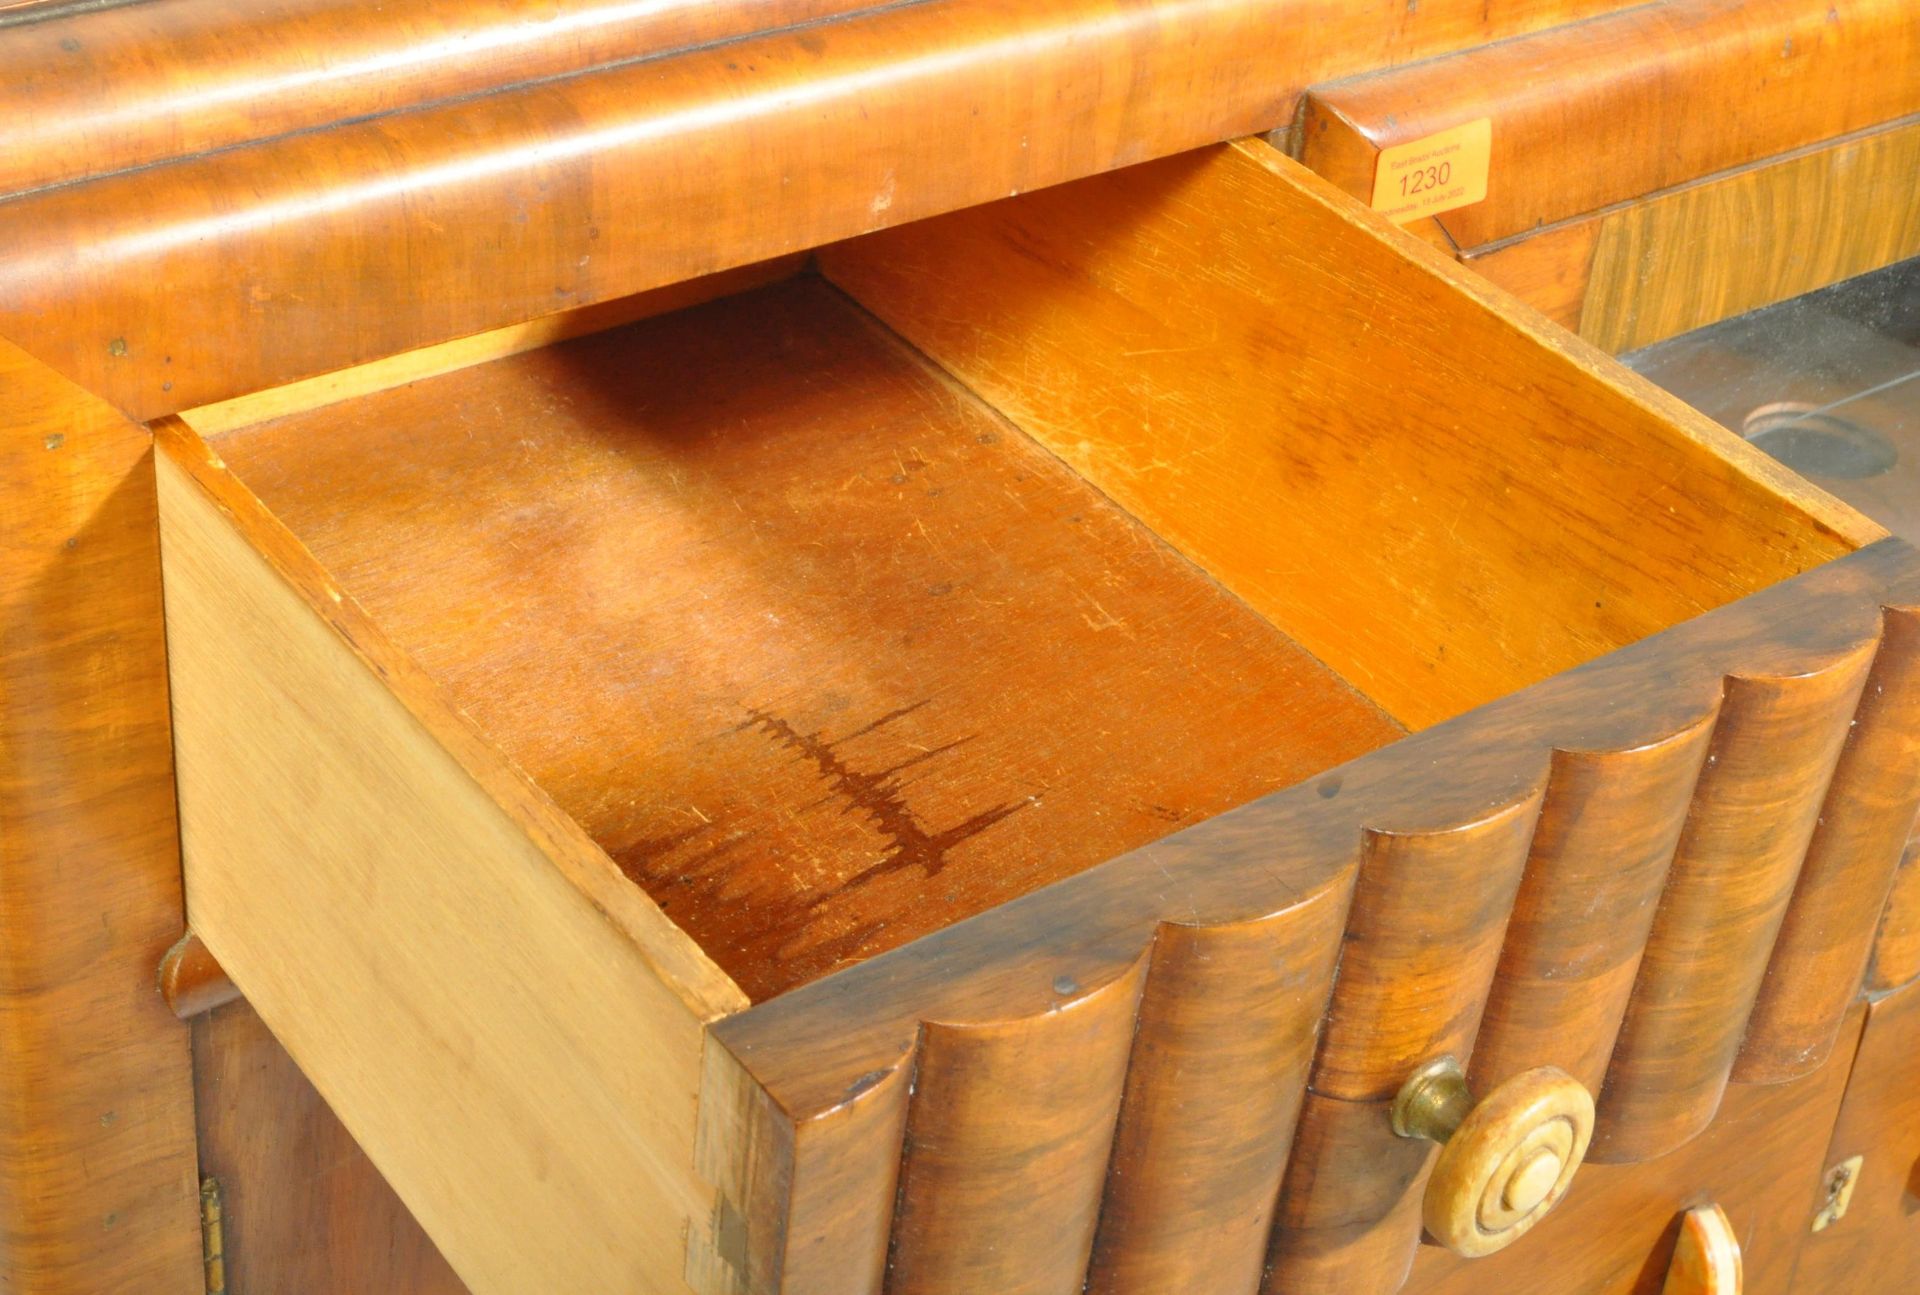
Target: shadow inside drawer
(823,651)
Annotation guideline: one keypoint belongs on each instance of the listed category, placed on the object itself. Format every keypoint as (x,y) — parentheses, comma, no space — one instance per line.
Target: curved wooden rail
(1753,813)
(1418,959)
(1599,861)
(1226,1033)
(371,238)
(94,90)
(1896,948)
(1006,1149)
(1618,844)
(575,159)
(1829,928)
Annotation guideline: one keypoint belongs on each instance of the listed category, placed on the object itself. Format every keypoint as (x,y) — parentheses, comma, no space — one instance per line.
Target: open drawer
(874,774)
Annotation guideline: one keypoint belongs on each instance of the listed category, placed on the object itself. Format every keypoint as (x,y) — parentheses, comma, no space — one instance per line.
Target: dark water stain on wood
(878,795)
(607,551)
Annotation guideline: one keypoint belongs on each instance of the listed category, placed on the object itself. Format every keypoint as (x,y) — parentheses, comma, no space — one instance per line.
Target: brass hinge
(212,1241)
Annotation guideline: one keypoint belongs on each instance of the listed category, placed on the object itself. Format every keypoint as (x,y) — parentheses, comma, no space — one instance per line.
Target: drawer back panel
(1601,824)
(1432,490)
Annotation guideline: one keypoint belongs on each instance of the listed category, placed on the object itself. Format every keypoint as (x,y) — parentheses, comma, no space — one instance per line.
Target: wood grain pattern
(336,813)
(1754,811)
(1349,1215)
(835,1178)
(98,1189)
(1896,948)
(148,286)
(1413,925)
(1613,109)
(464,352)
(1595,870)
(799,1056)
(1706,1255)
(93,88)
(304,1210)
(1875,1249)
(915,601)
(100,90)
(1548,269)
(192,980)
(370,238)
(1750,239)
(1263,374)
(1006,1149)
(1228,1025)
(1721,245)
(1821,952)
(1416,962)
(1760,1160)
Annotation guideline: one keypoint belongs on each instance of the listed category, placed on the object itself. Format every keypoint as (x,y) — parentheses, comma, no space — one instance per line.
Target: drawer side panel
(487,1027)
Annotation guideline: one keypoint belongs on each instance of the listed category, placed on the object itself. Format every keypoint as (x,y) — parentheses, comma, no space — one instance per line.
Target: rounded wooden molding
(1505,1161)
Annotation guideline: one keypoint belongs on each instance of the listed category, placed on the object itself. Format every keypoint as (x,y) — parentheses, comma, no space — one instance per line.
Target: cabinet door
(1875,1245)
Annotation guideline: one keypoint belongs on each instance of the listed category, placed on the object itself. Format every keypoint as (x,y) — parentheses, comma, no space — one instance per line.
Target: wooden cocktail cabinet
(761,706)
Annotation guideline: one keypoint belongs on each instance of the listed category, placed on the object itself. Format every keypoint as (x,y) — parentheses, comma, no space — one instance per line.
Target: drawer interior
(830,638)
(820,649)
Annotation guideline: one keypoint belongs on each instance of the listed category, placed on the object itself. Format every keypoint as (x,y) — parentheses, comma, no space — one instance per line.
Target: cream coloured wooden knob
(1504,1161)
(1706,1255)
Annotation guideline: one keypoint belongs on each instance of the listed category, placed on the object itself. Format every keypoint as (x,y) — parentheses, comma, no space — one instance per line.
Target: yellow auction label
(1425,177)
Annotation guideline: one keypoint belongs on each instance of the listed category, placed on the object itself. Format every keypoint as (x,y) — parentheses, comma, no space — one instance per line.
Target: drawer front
(1660,873)
(1760,1161)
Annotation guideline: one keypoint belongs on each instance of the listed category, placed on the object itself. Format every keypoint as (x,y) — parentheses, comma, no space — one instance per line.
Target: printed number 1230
(1425,178)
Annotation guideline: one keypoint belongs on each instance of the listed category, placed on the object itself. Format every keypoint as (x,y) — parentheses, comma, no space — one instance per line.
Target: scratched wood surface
(800,632)
(1421,484)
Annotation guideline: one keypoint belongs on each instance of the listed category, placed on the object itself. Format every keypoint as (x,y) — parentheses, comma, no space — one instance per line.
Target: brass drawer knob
(1504,1161)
